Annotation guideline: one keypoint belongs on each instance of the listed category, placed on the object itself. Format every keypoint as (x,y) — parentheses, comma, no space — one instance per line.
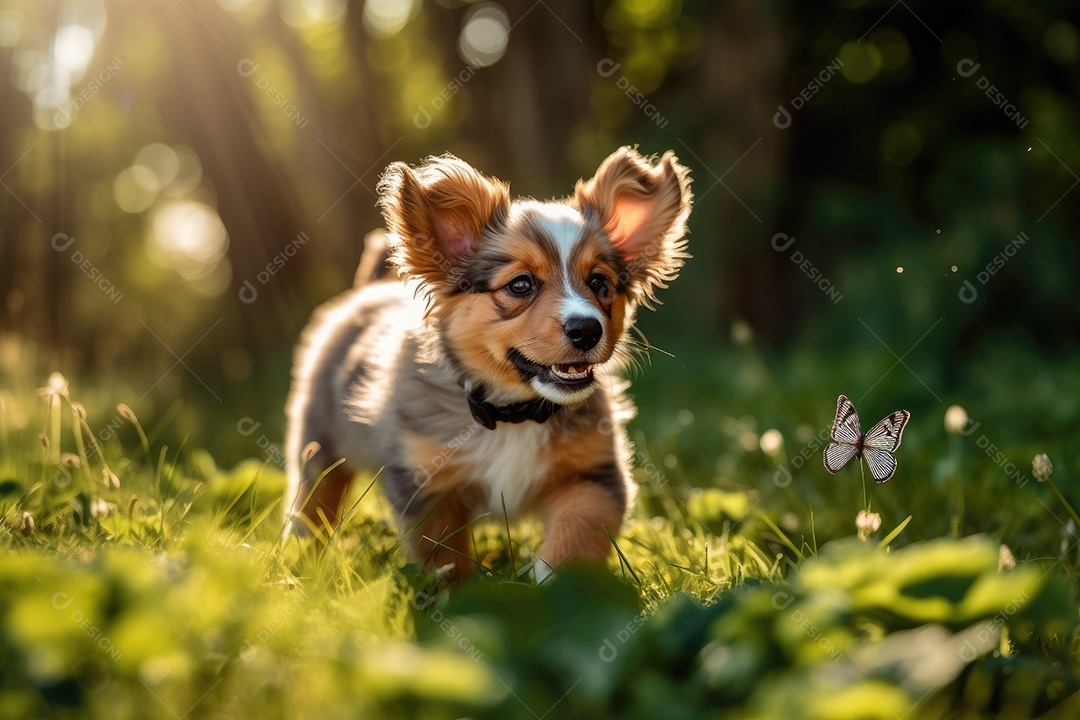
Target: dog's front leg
(437,535)
(578,518)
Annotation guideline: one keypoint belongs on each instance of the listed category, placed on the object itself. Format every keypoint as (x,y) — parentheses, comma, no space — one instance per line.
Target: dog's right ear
(436,214)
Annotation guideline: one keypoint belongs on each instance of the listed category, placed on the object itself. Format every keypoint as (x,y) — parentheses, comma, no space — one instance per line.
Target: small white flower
(771,442)
(1041,467)
(867,523)
(956,419)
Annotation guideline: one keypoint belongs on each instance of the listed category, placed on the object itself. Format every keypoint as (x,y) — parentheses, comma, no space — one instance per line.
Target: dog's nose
(583,332)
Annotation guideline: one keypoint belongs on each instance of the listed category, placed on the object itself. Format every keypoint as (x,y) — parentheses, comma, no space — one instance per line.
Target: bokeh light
(190,237)
(485,33)
(384,18)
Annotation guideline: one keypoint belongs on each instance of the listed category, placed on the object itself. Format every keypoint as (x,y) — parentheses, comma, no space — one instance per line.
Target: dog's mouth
(567,375)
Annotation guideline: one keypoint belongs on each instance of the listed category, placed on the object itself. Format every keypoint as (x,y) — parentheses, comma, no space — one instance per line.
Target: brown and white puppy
(486,381)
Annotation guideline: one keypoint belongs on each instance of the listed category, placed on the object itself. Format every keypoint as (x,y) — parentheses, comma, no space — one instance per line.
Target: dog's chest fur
(510,462)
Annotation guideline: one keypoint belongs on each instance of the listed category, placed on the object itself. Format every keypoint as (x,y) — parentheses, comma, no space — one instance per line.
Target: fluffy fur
(511,302)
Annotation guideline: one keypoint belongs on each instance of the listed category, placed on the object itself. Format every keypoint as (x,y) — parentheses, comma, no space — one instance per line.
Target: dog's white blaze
(563,224)
(573,305)
(512,462)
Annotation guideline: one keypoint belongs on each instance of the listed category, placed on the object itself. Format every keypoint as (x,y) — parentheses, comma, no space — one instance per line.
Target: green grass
(139,579)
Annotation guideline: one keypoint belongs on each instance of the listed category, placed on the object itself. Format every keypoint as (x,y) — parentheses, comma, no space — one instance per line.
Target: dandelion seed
(1041,467)
(771,442)
(867,523)
(956,419)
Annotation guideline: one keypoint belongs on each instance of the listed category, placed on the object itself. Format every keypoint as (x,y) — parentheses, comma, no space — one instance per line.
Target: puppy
(485,382)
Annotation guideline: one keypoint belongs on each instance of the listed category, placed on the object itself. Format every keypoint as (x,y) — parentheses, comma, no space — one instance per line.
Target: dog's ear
(643,206)
(436,214)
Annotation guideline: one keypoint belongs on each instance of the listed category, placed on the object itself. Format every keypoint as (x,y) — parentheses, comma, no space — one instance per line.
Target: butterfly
(876,446)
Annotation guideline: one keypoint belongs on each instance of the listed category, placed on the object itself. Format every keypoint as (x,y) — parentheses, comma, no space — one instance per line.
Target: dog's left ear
(643,207)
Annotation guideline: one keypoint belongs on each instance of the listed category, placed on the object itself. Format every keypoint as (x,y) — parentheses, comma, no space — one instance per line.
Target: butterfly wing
(882,463)
(881,441)
(846,427)
(886,434)
(837,455)
(846,434)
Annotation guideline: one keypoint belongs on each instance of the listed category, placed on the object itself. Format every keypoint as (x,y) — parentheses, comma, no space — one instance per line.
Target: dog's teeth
(571,372)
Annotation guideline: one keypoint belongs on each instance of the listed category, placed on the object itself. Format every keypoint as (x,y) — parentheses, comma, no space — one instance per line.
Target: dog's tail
(374,260)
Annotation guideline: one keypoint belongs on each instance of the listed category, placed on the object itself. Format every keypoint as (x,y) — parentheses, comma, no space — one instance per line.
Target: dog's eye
(600,285)
(520,286)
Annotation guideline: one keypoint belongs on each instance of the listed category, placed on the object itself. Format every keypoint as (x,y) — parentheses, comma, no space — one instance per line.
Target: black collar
(538,410)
